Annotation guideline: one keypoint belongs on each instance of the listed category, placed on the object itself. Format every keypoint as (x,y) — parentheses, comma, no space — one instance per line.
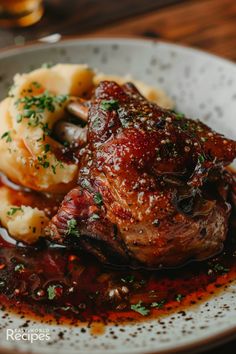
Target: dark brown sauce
(54,284)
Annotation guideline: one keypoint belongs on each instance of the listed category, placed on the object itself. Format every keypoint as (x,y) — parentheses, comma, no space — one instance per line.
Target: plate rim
(208,343)
(38,44)
(196,346)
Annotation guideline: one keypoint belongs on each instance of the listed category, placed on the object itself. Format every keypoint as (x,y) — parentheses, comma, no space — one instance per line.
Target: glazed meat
(152,189)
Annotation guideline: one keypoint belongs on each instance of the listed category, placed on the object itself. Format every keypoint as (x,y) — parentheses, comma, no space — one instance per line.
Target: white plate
(203,86)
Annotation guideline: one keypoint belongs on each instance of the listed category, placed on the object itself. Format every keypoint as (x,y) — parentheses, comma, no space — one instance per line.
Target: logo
(29,335)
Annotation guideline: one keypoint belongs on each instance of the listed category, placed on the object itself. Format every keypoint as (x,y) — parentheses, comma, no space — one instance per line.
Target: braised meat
(152,189)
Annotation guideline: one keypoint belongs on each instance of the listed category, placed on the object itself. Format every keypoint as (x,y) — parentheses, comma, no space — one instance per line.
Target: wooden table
(204,24)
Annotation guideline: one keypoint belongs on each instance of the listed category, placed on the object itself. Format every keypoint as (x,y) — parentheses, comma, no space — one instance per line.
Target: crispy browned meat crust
(152,188)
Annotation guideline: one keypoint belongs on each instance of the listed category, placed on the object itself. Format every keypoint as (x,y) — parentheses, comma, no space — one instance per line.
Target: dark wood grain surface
(206,24)
(78,17)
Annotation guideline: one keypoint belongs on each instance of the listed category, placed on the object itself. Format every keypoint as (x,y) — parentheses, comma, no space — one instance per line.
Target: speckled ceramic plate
(202,86)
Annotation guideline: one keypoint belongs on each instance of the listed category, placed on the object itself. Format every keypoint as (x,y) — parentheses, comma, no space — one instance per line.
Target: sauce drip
(52,283)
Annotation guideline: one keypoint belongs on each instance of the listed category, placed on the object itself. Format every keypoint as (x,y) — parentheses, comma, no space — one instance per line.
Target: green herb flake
(34,106)
(13,210)
(201,158)
(94,217)
(179,297)
(19,267)
(51,290)
(47,148)
(179,116)
(142,310)
(29,113)
(98,199)
(109,105)
(86,184)
(219,268)
(19,118)
(128,279)
(65,308)
(159,304)
(45,164)
(47,65)
(36,84)
(47,131)
(42,161)
(7,136)
(53,167)
(61,98)
(72,229)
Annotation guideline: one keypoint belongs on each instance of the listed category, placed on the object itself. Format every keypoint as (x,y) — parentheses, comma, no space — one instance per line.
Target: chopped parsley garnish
(47,65)
(72,228)
(13,210)
(51,292)
(179,297)
(142,310)
(159,304)
(54,291)
(54,167)
(98,199)
(7,136)
(65,308)
(86,184)
(179,116)
(219,268)
(47,148)
(19,267)
(34,106)
(46,129)
(43,162)
(36,84)
(128,279)
(94,217)
(109,105)
(201,158)
(19,118)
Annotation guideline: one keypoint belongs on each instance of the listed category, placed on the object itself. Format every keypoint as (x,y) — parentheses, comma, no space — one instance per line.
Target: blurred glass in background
(20,13)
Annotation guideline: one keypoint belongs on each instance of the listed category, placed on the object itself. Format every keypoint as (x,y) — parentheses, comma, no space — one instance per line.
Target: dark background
(206,24)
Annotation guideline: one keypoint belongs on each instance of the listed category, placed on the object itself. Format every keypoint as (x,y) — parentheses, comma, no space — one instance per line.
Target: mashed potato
(24,223)
(36,102)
